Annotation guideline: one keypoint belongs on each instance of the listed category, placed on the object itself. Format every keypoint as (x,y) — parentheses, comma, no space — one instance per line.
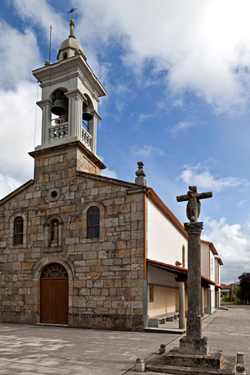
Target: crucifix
(194,343)
(194,204)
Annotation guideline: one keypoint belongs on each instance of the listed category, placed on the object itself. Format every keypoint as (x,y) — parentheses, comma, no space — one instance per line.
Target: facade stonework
(105,273)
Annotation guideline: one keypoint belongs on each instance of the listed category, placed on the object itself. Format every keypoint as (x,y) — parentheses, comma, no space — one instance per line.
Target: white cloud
(8,184)
(233,246)
(39,12)
(17,131)
(202,47)
(146,151)
(109,173)
(196,175)
(242,204)
(144,117)
(19,54)
(182,126)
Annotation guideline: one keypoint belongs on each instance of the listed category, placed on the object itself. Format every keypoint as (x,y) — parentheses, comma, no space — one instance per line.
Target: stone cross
(194,204)
(193,342)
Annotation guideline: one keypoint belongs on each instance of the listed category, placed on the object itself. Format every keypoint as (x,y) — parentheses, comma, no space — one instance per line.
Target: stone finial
(139,365)
(140,179)
(240,369)
(72,31)
(47,63)
(163,349)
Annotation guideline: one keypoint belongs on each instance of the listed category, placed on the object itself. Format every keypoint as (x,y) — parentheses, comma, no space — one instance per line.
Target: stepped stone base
(175,362)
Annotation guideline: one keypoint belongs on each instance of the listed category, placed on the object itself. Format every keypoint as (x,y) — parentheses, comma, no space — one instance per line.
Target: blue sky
(177,76)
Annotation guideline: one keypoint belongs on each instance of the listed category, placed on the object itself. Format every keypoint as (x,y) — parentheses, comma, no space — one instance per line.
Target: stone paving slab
(29,350)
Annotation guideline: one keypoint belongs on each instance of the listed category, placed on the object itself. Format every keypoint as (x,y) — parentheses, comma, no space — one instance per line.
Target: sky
(177,75)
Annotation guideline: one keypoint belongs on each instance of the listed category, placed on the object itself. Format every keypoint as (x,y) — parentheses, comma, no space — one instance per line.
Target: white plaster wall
(166,291)
(212,288)
(164,240)
(205,252)
(212,266)
(216,278)
(165,301)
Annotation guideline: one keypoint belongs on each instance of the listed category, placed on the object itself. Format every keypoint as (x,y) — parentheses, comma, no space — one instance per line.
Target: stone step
(157,364)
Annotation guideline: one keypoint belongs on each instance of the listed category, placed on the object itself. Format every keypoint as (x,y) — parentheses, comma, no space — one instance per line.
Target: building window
(151,293)
(93,222)
(54,271)
(18,230)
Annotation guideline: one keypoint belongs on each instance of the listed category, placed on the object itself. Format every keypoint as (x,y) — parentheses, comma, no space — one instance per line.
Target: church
(81,249)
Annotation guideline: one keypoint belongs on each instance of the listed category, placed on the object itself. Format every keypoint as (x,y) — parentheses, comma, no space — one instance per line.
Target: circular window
(54,194)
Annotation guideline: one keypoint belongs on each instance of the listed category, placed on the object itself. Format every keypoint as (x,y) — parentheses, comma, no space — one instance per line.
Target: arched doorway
(54,294)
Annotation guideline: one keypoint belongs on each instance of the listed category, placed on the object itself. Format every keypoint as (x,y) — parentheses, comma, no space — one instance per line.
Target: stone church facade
(77,248)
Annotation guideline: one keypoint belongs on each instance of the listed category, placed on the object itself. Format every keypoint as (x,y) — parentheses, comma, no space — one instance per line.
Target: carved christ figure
(194,204)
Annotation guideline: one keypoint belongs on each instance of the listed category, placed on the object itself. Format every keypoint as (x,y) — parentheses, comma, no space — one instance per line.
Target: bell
(87,115)
(59,107)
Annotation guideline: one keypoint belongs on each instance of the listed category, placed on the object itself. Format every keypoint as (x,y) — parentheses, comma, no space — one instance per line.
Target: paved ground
(30,350)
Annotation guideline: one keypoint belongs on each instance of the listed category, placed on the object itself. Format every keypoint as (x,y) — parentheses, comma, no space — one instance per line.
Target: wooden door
(54,295)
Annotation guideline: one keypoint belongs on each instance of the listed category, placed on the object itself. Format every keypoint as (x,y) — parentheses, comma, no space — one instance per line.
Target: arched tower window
(93,222)
(18,230)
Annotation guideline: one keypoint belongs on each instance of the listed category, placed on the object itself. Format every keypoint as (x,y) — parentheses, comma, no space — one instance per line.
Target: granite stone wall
(105,274)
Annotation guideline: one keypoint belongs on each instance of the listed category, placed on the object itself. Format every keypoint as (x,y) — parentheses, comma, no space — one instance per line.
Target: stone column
(45,105)
(75,114)
(194,343)
(182,320)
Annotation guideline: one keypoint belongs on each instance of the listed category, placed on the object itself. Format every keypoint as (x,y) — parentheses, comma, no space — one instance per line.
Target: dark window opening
(93,222)
(18,230)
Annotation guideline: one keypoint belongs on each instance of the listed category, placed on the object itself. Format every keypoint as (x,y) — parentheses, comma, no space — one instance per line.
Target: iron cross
(71,11)
(194,204)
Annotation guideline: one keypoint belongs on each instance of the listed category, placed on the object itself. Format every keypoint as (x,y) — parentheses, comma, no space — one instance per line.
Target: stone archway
(54,294)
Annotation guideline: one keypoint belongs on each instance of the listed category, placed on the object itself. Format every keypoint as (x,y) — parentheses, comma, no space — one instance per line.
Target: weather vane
(71,11)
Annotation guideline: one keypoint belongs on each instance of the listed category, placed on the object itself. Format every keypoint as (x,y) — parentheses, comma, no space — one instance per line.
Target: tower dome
(70,46)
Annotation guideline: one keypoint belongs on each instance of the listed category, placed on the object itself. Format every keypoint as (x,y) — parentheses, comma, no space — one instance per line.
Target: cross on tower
(194,204)
(71,11)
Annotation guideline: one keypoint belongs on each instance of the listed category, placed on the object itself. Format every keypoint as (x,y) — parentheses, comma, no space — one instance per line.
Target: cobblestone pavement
(30,350)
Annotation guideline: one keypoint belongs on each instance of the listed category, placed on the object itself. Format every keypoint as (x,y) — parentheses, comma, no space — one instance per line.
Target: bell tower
(70,97)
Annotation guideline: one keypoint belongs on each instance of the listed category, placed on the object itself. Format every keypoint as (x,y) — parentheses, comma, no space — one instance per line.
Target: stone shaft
(194,329)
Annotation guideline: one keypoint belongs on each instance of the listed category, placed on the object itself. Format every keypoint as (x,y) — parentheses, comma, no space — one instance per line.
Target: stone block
(194,345)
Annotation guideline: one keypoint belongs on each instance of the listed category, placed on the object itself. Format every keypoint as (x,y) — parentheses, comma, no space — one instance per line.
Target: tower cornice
(72,67)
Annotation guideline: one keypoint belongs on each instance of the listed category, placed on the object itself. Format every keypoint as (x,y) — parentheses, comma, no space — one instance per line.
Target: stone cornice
(107,179)
(74,66)
(93,158)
